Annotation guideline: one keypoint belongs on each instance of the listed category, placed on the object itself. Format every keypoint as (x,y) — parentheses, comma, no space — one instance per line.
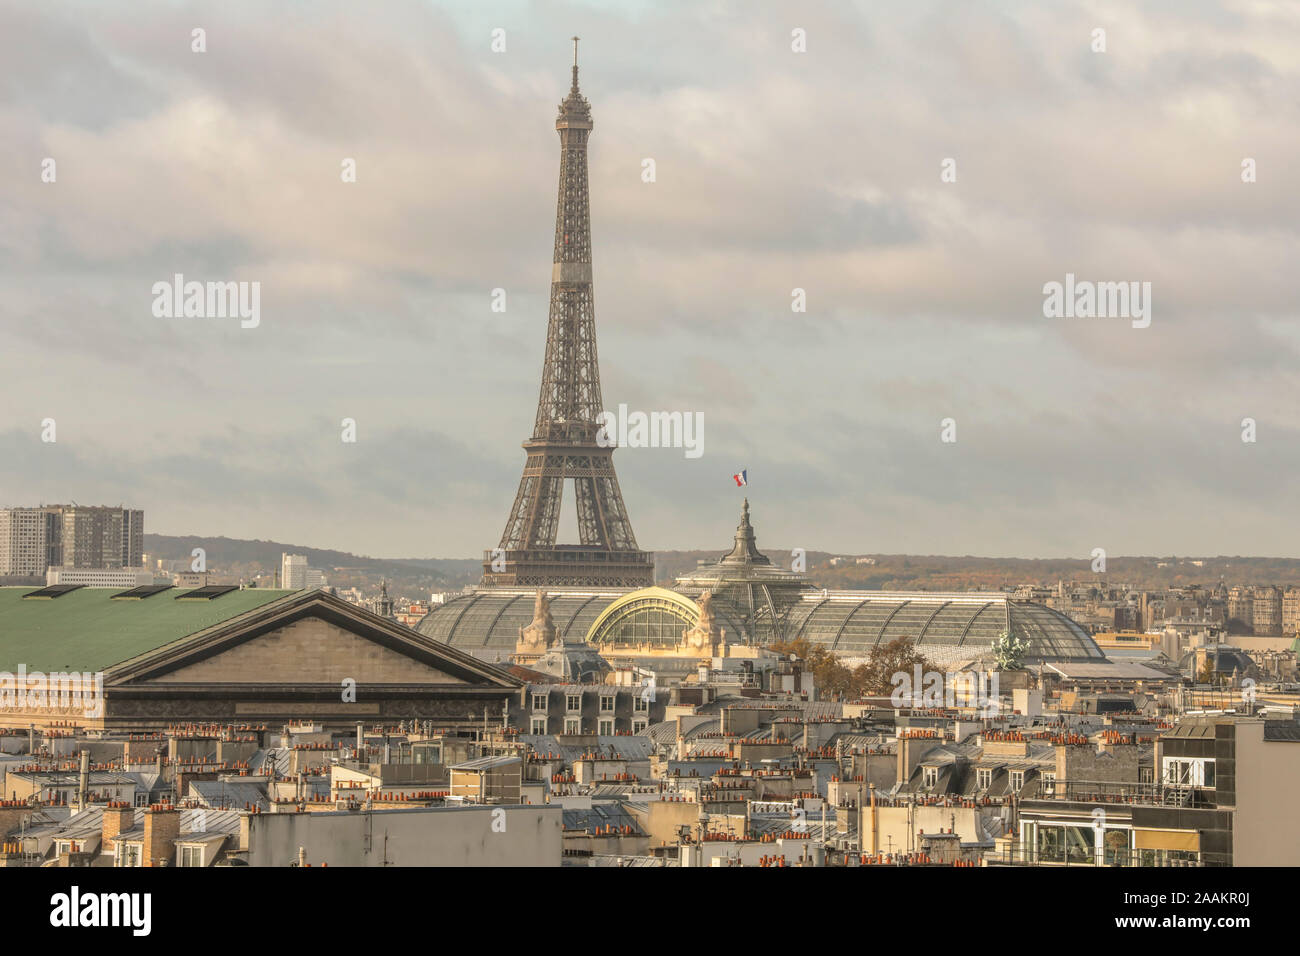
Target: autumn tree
(898,656)
(874,678)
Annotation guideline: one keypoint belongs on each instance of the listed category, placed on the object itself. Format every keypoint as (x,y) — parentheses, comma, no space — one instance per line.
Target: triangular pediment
(311,638)
(310,651)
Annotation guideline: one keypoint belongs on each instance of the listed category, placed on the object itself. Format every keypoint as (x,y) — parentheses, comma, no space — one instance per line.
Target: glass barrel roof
(492,618)
(853,622)
(850,623)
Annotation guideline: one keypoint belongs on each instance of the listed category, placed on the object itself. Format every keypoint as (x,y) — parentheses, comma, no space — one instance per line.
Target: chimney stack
(162,825)
(118,818)
(83,779)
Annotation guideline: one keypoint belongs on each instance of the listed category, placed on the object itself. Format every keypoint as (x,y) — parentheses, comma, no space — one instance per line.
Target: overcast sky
(775,170)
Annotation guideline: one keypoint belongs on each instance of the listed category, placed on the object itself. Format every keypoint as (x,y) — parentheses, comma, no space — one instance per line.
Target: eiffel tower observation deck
(563,447)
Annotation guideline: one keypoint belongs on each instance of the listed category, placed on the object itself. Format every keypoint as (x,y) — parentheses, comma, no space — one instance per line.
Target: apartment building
(24,541)
(32,540)
(1266,611)
(1291,611)
(98,537)
(1214,800)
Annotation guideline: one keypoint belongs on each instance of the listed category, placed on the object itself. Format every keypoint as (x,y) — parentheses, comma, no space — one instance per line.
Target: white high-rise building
(24,546)
(296,576)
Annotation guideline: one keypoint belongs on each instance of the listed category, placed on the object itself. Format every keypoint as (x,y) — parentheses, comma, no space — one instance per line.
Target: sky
(775,169)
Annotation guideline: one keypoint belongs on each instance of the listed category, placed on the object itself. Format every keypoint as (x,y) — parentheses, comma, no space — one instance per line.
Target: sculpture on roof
(1009,652)
(537,637)
(705,636)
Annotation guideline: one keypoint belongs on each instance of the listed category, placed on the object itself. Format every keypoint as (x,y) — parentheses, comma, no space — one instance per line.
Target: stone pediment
(310,651)
(309,638)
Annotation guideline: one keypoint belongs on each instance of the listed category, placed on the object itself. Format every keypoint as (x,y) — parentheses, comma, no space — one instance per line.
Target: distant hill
(342,568)
(414,577)
(904,572)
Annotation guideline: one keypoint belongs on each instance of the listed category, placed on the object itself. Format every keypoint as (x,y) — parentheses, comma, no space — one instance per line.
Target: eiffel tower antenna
(563,447)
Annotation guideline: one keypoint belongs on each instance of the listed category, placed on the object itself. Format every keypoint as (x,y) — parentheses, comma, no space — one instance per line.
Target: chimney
(361,736)
(911,750)
(875,823)
(162,825)
(83,780)
(118,818)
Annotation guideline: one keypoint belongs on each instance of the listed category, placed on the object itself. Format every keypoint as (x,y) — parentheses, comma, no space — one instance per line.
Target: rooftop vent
(142,592)
(207,592)
(52,591)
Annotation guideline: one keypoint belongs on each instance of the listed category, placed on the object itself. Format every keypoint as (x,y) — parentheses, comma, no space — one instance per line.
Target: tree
(899,656)
(874,678)
(831,676)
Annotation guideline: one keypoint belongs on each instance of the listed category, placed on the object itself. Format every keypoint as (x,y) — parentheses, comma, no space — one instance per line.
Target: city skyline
(949,354)
(925,297)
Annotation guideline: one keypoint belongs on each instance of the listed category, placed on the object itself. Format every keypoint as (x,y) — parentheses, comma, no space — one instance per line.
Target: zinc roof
(87,630)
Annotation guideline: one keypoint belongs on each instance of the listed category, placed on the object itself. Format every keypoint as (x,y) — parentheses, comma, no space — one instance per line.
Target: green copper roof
(87,630)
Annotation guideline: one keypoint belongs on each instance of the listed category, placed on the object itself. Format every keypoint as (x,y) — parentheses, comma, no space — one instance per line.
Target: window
(1066,844)
(606,727)
(573,702)
(142,799)
(983,778)
(1115,845)
(191,856)
(639,726)
(573,725)
(930,777)
(1049,784)
(539,701)
(1017,780)
(129,854)
(538,726)
(426,753)
(640,704)
(606,704)
(1189,772)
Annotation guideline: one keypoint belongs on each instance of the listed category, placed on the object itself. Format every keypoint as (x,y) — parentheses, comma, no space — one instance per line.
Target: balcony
(1144,794)
(1025,854)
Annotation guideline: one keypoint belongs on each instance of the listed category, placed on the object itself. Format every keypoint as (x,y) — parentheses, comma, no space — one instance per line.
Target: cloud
(775,170)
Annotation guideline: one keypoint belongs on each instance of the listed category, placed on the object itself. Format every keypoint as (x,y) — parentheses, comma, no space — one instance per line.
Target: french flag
(742,478)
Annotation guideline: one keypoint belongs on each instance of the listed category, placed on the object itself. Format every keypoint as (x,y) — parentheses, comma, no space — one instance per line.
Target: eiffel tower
(564,445)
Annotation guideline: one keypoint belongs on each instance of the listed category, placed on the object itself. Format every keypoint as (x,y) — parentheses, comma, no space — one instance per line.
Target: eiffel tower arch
(563,446)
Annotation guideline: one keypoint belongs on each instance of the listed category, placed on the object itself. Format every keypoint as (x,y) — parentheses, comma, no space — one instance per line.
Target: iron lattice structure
(564,446)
